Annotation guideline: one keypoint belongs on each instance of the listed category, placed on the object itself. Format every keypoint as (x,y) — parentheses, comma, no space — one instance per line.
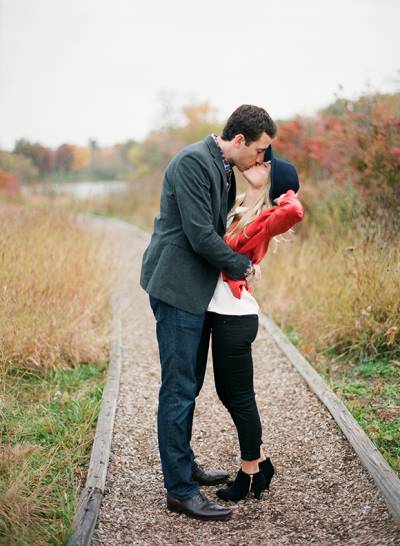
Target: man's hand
(253,273)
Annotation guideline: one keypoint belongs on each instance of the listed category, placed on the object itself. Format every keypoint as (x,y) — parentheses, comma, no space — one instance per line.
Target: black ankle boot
(267,468)
(242,485)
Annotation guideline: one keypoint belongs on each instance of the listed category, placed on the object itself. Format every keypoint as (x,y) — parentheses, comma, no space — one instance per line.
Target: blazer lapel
(216,155)
(227,200)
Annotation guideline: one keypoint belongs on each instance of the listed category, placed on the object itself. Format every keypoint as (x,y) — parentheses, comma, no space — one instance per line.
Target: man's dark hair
(250,121)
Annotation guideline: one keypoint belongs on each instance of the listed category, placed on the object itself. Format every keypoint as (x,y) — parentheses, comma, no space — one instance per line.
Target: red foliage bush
(351,141)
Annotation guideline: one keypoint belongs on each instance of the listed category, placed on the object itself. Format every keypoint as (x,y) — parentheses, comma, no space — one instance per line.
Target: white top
(224,302)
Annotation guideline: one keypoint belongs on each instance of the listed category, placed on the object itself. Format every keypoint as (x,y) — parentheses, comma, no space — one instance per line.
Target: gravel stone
(320,495)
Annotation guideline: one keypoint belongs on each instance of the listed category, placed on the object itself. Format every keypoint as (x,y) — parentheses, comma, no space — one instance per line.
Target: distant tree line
(31,161)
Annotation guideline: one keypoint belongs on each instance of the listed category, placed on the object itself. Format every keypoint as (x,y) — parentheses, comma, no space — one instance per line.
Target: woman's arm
(270,222)
(288,213)
(253,241)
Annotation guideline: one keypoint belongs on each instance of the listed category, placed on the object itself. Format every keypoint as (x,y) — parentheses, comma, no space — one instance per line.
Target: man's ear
(239,140)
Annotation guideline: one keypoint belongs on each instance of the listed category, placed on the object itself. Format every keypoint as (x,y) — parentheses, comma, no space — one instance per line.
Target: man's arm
(192,191)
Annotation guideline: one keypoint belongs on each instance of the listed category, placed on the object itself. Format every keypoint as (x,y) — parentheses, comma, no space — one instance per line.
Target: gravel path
(320,494)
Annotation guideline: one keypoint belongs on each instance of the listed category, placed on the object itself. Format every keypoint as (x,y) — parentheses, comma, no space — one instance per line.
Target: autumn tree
(63,158)
(41,156)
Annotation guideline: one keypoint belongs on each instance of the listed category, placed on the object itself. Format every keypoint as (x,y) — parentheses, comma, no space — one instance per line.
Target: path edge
(92,494)
(384,477)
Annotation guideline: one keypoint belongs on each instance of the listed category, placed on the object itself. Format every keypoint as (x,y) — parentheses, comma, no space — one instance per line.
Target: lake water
(80,190)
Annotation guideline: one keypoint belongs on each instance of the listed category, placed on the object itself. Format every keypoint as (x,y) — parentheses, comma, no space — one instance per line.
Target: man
(180,271)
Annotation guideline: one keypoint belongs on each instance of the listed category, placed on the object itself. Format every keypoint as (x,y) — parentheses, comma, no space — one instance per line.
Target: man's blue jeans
(183,346)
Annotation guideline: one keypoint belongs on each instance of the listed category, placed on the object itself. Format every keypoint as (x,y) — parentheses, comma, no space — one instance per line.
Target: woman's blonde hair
(239,220)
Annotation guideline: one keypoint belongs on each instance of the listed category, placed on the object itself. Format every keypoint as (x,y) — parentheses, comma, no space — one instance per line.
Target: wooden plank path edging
(93,492)
(384,477)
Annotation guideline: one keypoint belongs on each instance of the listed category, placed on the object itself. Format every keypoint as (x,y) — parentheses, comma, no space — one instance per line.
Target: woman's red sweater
(254,239)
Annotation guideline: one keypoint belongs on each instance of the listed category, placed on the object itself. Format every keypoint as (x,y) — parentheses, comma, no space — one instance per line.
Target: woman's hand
(257,176)
(279,199)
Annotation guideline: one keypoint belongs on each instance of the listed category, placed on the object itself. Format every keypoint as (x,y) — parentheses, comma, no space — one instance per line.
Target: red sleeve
(286,215)
(254,238)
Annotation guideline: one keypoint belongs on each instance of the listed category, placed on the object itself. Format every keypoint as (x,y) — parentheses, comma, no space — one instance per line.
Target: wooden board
(91,496)
(384,477)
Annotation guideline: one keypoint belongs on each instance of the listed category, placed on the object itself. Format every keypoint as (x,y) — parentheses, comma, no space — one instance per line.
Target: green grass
(47,428)
(293,336)
(371,391)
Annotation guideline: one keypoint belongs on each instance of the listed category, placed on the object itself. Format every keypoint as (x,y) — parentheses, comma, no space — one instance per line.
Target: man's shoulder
(199,151)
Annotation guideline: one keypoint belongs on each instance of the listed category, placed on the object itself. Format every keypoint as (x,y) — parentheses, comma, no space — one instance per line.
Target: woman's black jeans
(232,336)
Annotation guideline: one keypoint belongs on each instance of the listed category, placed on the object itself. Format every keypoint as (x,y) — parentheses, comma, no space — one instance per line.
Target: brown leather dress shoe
(209,477)
(199,507)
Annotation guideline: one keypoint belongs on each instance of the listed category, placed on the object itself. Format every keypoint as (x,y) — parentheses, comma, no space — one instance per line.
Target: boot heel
(268,470)
(258,484)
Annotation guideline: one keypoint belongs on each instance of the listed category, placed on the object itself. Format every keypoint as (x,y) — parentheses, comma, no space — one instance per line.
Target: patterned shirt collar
(227,165)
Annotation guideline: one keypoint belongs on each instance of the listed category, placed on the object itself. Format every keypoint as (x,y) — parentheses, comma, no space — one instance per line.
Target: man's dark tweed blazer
(187,252)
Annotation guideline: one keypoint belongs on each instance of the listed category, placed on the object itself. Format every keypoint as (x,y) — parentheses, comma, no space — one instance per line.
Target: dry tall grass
(338,293)
(20,504)
(53,290)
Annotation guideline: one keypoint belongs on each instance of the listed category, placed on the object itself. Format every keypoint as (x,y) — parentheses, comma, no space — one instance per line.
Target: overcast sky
(79,69)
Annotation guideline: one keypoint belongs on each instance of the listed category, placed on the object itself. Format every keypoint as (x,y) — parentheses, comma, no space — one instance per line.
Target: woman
(233,313)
